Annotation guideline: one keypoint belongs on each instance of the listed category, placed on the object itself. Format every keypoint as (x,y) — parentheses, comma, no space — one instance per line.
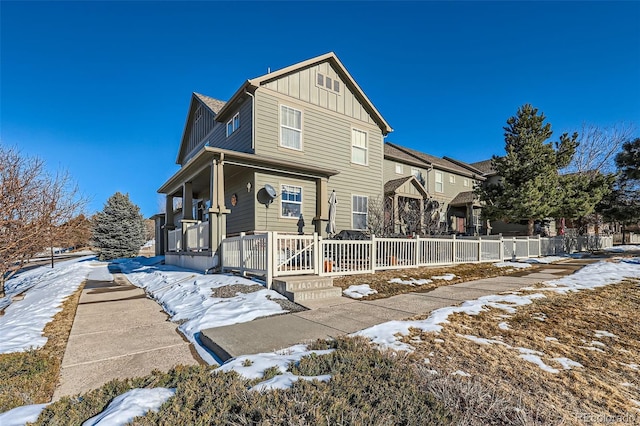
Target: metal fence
(272,254)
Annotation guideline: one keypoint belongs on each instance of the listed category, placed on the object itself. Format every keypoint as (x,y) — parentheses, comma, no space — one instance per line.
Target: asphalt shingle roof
(407,154)
(214,105)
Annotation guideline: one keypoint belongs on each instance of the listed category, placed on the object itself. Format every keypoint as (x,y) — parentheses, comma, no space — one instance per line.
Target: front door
(460,225)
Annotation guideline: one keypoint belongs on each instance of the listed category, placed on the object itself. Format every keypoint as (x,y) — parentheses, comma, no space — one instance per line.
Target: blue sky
(102,89)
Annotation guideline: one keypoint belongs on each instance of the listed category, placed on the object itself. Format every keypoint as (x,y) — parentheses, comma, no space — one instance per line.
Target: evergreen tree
(529,187)
(119,229)
(623,204)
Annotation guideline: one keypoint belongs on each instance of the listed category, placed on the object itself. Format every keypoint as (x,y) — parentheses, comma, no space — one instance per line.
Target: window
(326,82)
(359,205)
(291,201)
(399,169)
(452,179)
(358,147)
(290,128)
(198,114)
(233,124)
(416,172)
(465,182)
(439,185)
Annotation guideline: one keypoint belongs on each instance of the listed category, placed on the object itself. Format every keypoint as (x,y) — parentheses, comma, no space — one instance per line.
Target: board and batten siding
(326,142)
(389,167)
(302,85)
(270,217)
(241,218)
(240,140)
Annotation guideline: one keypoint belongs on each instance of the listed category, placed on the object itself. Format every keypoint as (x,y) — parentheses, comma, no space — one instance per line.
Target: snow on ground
(388,335)
(20,416)
(623,248)
(512,265)
(45,289)
(544,260)
(187,296)
(254,366)
(410,281)
(446,277)
(285,381)
(359,291)
(136,402)
(603,333)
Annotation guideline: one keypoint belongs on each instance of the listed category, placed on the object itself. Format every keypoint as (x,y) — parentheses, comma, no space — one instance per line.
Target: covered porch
(215,192)
(405,204)
(464,212)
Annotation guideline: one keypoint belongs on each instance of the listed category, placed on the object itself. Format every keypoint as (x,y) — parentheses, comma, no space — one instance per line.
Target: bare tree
(33,207)
(378,218)
(598,147)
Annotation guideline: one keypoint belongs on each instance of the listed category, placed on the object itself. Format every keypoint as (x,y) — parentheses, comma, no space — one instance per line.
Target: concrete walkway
(118,333)
(340,316)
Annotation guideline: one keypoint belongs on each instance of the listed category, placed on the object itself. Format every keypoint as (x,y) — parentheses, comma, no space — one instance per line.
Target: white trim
(366,213)
(399,167)
(452,178)
(282,200)
(333,78)
(366,147)
(281,126)
(465,182)
(235,125)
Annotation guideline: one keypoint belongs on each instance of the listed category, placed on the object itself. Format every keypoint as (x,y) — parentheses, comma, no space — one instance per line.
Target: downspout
(253,121)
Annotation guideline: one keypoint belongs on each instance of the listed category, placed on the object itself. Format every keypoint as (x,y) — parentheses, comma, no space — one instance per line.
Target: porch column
(322,209)
(422,215)
(168,222)
(187,201)
(218,210)
(396,214)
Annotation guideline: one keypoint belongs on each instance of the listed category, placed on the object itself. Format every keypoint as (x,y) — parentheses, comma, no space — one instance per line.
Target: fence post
(453,250)
(539,246)
(374,255)
(272,245)
(514,256)
(501,250)
(314,256)
(479,249)
(418,248)
(242,265)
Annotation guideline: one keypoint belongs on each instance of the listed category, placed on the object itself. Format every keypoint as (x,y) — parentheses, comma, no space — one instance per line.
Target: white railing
(273,255)
(197,236)
(633,238)
(175,239)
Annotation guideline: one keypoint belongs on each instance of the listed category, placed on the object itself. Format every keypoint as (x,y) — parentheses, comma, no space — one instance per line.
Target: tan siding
(326,140)
(241,218)
(271,217)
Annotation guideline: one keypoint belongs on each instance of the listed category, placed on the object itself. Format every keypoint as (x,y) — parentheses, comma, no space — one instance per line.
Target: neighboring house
(305,130)
(442,186)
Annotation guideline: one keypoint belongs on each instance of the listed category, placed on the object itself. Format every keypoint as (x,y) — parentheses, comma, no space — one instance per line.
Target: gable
(199,123)
(301,81)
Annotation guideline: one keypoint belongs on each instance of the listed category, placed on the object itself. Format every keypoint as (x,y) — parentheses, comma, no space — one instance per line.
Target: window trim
(281,126)
(353,211)
(452,178)
(282,200)
(435,181)
(465,182)
(335,82)
(366,149)
(235,124)
(400,167)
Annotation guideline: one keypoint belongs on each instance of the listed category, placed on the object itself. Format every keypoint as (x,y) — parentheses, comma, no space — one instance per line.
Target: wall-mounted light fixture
(248,186)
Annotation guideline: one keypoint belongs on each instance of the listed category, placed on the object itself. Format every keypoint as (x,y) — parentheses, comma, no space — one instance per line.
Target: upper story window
(198,114)
(291,201)
(439,182)
(416,172)
(465,182)
(359,212)
(290,128)
(233,124)
(327,82)
(359,147)
(399,169)
(452,178)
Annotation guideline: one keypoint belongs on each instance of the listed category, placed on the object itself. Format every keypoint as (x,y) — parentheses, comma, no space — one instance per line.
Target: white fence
(634,238)
(272,254)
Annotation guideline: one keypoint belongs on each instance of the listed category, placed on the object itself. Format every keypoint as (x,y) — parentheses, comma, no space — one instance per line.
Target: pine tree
(529,187)
(119,229)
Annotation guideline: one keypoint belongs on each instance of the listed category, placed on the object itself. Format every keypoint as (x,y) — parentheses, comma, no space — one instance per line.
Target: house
(271,156)
(440,187)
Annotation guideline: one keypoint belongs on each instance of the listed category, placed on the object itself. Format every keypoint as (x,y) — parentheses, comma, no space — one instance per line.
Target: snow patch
(285,381)
(518,265)
(535,359)
(567,363)
(623,248)
(504,326)
(20,416)
(446,277)
(601,333)
(359,291)
(136,402)
(411,281)
(461,373)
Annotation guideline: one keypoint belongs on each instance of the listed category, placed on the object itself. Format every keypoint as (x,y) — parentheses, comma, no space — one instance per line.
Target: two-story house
(443,188)
(271,156)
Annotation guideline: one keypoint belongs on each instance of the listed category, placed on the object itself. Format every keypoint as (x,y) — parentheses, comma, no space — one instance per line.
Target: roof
(214,105)
(327,57)
(484,166)
(409,155)
(391,186)
(467,197)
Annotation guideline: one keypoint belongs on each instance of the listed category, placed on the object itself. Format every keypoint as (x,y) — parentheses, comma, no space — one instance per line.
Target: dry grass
(602,391)
(31,377)
(464,272)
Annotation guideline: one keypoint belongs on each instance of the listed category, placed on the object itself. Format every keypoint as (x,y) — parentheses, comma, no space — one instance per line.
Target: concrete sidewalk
(344,316)
(118,333)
